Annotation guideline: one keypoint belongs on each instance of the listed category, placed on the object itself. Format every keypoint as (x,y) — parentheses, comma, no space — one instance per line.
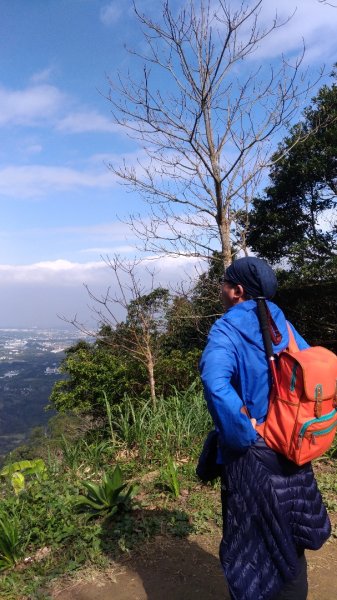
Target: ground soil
(185,569)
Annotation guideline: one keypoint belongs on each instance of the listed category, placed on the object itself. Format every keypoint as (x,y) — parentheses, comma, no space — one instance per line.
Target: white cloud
(65,272)
(44,104)
(31,106)
(87,121)
(328,219)
(109,250)
(34,294)
(311,21)
(173,269)
(110,13)
(37,180)
(42,76)
(59,272)
(33,149)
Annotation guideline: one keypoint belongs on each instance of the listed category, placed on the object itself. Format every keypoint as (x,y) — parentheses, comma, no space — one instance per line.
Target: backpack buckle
(318,400)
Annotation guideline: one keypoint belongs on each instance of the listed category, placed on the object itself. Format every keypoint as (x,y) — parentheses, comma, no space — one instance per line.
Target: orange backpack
(302,414)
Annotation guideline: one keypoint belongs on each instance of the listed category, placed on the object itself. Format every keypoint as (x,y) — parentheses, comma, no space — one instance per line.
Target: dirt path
(187,569)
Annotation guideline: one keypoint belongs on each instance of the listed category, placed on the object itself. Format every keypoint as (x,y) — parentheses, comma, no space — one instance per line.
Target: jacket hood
(243,318)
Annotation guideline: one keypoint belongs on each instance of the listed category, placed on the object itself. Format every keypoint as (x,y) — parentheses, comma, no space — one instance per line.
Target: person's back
(266,499)
(234,370)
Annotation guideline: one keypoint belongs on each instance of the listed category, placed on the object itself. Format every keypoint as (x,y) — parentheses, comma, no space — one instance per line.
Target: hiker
(272,508)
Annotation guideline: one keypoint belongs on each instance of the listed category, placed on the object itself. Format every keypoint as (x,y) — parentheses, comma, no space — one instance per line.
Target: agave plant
(109,496)
(9,542)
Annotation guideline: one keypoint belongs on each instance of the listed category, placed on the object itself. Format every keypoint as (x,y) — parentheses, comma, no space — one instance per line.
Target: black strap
(266,322)
(262,311)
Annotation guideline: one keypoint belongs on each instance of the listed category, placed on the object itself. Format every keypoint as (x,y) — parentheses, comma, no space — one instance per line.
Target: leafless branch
(129,312)
(327,3)
(207,131)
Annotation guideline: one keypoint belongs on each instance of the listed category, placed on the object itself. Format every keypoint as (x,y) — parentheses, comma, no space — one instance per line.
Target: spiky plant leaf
(95,492)
(86,502)
(116,477)
(107,497)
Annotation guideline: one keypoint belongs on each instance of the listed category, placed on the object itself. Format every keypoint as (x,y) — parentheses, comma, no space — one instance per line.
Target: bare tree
(132,318)
(327,3)
(205,116)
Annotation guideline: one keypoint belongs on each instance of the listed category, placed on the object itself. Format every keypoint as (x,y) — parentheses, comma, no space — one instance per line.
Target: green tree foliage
(312,308)
(206,300)
(293,220)
(190,317)
(139,336)
(91,369)
(177,370)
(161,329)
(181,334)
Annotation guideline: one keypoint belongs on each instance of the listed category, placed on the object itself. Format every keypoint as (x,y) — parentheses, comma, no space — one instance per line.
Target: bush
(90,371)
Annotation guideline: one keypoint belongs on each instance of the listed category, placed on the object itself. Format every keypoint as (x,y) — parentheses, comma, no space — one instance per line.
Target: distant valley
(29,367)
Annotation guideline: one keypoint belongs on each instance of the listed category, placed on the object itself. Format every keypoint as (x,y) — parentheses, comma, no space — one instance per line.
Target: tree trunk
(224,229)
(150,370)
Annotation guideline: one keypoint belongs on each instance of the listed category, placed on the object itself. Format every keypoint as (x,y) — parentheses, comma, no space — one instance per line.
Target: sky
(61,207)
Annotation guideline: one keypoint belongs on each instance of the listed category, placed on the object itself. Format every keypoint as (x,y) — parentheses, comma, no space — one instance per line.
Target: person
(272,508)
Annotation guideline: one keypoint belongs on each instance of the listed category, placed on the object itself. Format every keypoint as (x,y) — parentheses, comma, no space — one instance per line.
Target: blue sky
(60,205)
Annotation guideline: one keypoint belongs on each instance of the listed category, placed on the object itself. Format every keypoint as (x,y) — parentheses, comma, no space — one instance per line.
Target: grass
(177,426)
(56,538)
(169,476)
(156,450)
(48,513)
(326,475)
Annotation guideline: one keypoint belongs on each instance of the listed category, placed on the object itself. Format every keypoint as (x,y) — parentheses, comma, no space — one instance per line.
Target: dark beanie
(254,274)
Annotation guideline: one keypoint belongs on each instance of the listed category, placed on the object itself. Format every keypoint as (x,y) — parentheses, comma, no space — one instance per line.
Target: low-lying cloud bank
(34,295)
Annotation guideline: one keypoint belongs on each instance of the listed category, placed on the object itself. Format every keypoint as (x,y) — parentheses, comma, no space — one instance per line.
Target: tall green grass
(10,544)
(177,425)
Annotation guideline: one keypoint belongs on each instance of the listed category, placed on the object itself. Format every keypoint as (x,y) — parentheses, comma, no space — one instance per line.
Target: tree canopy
(295,220)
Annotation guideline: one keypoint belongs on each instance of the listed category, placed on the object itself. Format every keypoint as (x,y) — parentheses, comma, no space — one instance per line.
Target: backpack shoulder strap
(292,346)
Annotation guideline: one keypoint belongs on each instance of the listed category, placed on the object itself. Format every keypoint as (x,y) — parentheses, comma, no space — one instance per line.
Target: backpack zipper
(327,417)
(320,431)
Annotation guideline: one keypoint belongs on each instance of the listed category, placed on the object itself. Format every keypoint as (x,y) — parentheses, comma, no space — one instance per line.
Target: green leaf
(96,492)
(116,477)
(112,511)
(85,501)
(18,482)
(17,466)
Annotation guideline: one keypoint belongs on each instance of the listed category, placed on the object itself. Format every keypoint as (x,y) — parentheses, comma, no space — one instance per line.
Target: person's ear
(239,292)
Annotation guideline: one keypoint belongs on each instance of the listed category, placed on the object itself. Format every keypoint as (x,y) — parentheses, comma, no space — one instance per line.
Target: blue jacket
(234,371)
